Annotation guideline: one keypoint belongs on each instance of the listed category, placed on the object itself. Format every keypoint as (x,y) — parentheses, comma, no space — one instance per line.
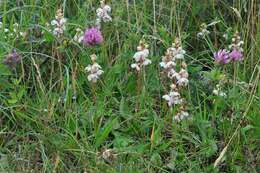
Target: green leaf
(103,134)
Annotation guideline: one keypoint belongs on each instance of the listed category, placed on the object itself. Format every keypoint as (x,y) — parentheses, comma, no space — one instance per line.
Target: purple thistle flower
(236,55)
(222,56)
(92,36)
(12,59)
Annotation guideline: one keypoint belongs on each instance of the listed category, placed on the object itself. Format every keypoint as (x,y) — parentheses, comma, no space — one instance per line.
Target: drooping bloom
(222,56)
(236,55)
(92,36)
(59,23)
(94,71)
(140,56)
(12,59)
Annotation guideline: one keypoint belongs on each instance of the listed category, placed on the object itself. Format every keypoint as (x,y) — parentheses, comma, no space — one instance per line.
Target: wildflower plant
(141,60)
(171,62)
(233,53)
(49,97)
(94,71)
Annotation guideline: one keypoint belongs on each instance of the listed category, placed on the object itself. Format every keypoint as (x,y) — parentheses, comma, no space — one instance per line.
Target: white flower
(173,98)
(167,65)
(203,29)
(1,25)
(178,53)
(237,43)
(225,36)
(172,74)
(78,36)
(203,33)
(107,8)
(181,115)
(140,57)
(103,13)
(168,60)
(183,82)
(182,78)
(217,91)
(94,72)
(23,34)
(54,22)
(59,23)
(135,66)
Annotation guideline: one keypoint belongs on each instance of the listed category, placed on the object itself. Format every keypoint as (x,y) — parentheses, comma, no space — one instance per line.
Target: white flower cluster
(175,57)
(14,33)
(78,36)
(59,23)
(103,13)
(174,97)
(94,71)
(237,43)
(169,64)
(17,31)
(218,92)
(140,56)
(203,31)
(181,116)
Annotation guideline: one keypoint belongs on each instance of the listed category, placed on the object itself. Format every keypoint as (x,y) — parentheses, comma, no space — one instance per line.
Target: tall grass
(49,121)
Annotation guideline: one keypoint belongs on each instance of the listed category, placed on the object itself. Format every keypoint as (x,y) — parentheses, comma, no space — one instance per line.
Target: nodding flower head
(222,56)
(92,36)
(236,55)
(12,59)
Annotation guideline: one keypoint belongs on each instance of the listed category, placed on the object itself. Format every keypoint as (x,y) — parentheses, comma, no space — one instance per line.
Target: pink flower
(236,55)
(92,36)
(222,56)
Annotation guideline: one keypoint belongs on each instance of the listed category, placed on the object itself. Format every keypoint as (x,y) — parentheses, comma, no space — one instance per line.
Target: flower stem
(139,87)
